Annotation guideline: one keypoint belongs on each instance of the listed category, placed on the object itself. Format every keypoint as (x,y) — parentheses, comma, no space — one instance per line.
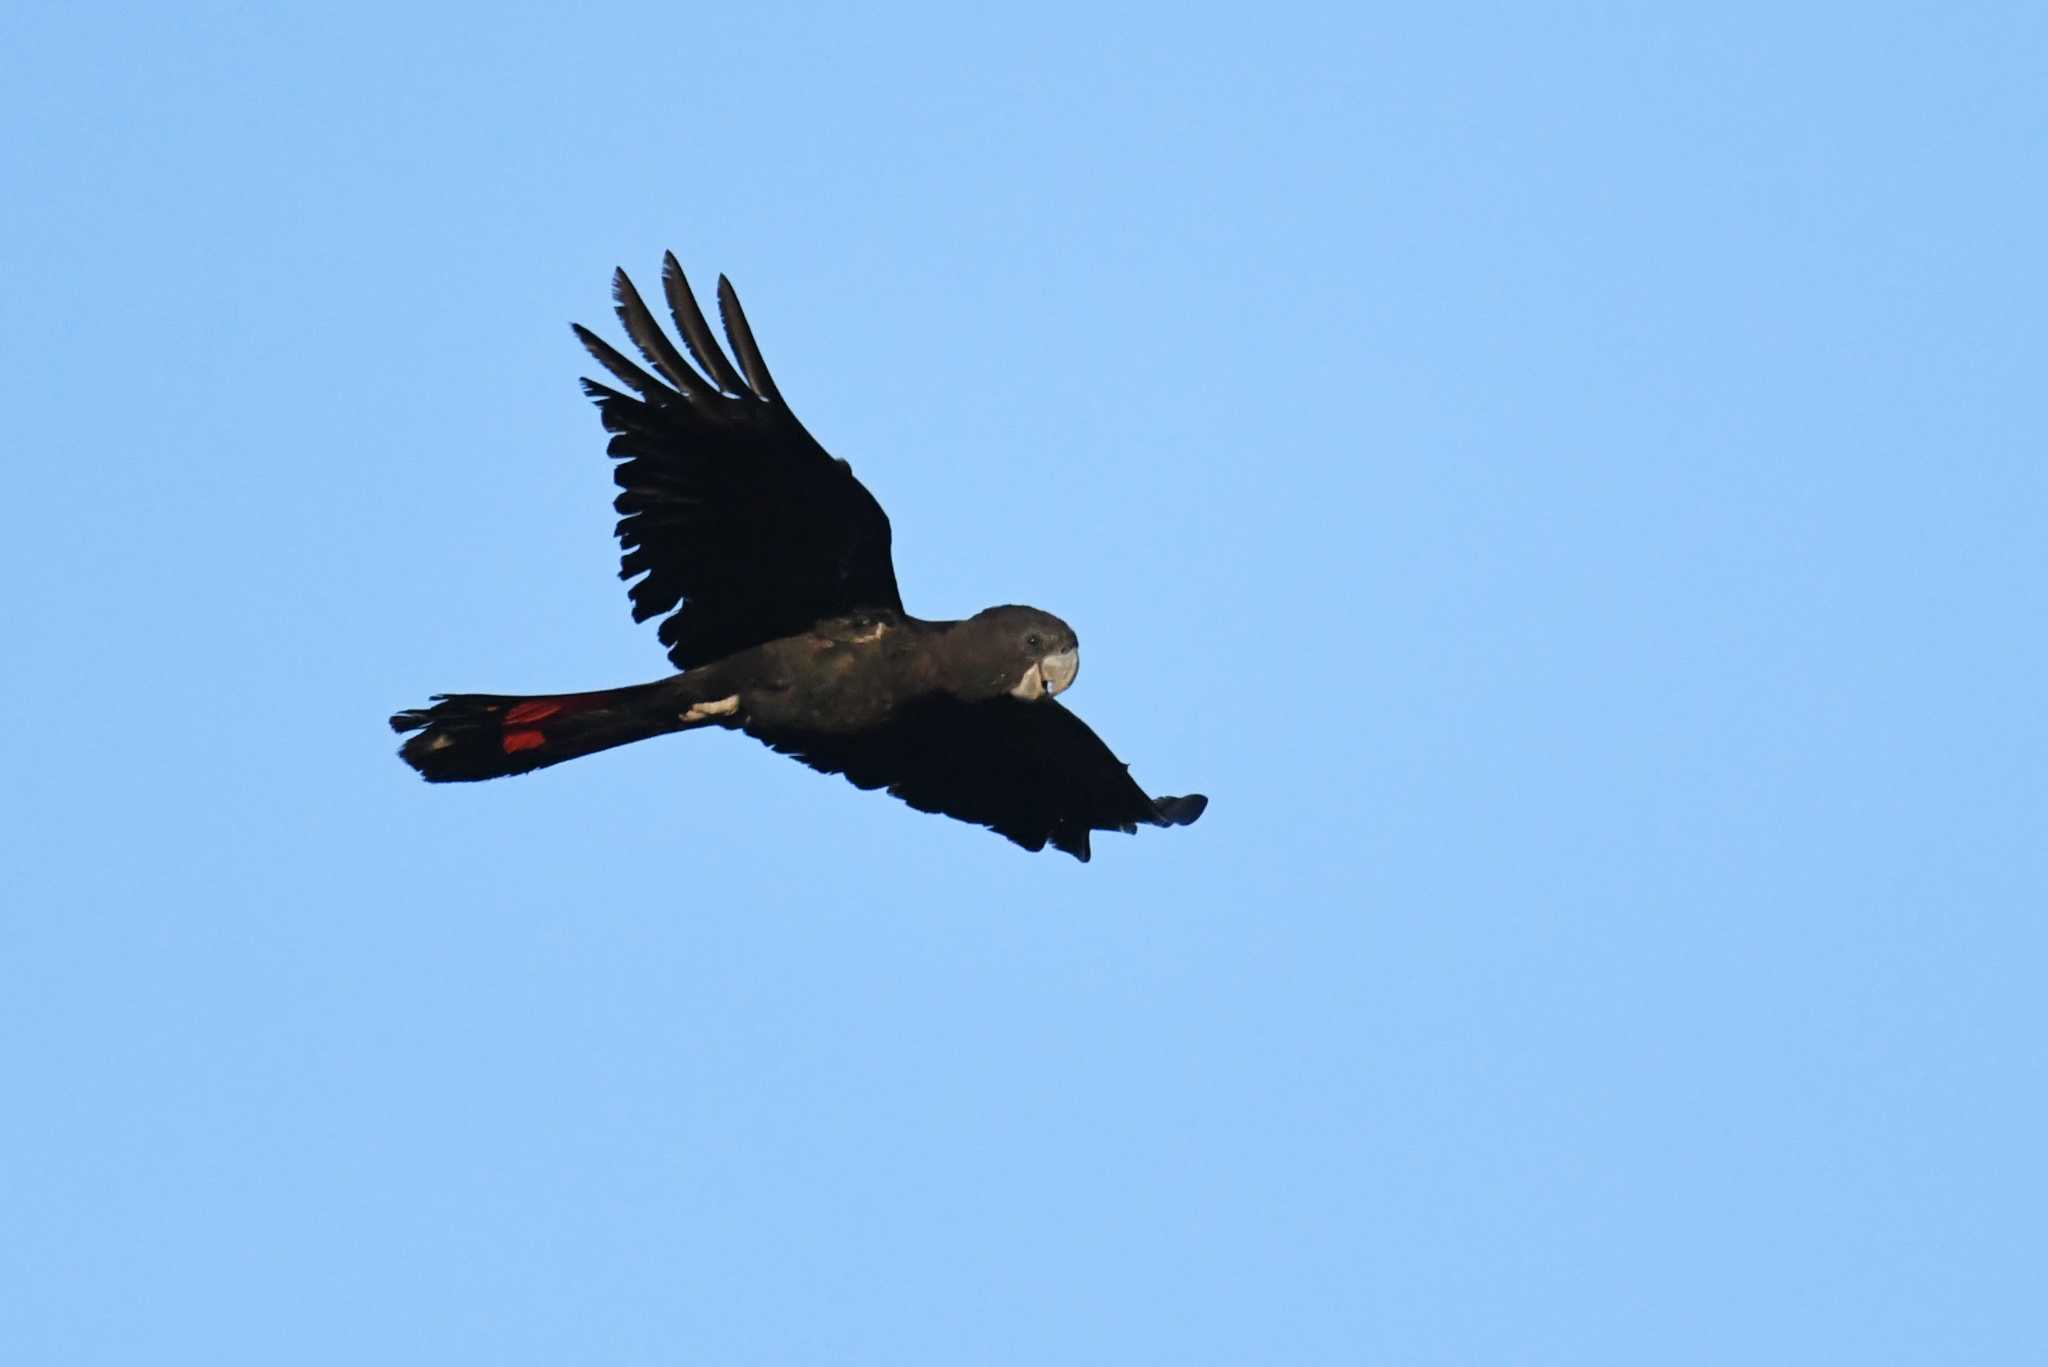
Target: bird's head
(1021,651)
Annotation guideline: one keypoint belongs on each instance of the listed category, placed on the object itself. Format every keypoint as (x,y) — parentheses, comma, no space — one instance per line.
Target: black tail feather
(463,737)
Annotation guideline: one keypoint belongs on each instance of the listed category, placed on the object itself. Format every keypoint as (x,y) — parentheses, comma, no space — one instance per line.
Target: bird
(770,566)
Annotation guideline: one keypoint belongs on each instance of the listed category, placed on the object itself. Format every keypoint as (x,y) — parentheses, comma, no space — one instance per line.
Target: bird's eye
(1032,640)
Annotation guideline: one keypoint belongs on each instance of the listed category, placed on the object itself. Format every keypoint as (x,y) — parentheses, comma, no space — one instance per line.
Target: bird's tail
(466,736)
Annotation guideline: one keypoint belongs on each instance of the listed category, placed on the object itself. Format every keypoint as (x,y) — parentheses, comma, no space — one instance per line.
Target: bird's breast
(840,678)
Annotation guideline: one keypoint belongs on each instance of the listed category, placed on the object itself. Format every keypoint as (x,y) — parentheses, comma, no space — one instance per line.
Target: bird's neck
(965,662)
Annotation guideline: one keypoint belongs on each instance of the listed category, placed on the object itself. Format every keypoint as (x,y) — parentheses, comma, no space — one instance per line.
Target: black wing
(729,508)
(1032,771)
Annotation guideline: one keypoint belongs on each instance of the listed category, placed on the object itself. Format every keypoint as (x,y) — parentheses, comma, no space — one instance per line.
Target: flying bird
(772,565)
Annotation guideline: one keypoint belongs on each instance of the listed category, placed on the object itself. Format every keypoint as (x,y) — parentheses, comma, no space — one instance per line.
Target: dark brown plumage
(772,565)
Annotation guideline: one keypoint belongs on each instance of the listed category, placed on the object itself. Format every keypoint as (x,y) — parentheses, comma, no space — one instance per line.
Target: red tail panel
(466,736)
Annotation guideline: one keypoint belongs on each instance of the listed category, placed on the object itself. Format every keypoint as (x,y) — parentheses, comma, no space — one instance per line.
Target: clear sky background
(1568,483)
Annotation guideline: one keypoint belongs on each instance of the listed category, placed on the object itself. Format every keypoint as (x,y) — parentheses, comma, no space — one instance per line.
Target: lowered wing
(1031,771)
(734,520)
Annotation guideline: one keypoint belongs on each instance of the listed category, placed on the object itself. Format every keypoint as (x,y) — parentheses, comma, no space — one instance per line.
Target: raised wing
(1031,771)
(745,529)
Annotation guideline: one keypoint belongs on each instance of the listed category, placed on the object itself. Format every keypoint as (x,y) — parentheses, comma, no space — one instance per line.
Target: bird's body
(787,623)
(845,675)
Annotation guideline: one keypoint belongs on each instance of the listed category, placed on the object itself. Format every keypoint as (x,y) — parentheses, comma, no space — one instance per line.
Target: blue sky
(1568,484)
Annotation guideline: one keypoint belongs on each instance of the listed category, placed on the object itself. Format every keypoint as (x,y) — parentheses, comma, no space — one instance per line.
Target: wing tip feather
(689,318)
(1180,811)
(745,349)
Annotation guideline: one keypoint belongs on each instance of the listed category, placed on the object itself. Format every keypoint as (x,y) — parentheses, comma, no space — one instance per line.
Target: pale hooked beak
(1049,676)
(1059,670)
